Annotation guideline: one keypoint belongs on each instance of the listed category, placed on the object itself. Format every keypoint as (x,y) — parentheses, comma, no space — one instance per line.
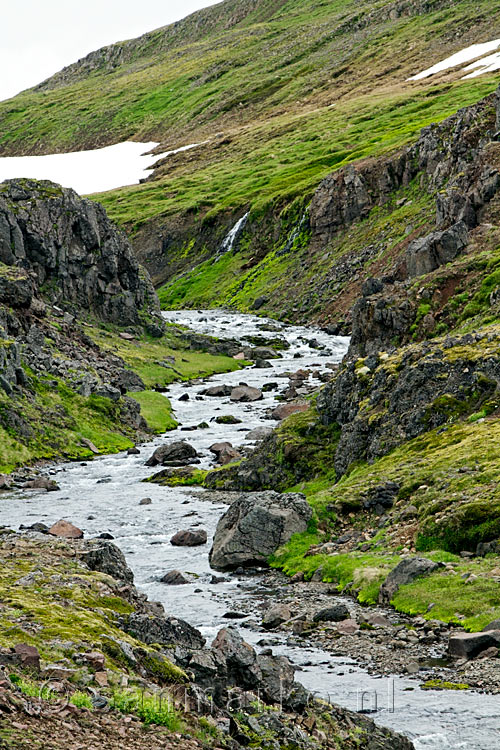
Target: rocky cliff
(74,256)
(65,269)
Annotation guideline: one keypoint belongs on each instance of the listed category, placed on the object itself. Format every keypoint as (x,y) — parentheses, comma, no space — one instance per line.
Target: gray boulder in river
(173,454)
(255,525)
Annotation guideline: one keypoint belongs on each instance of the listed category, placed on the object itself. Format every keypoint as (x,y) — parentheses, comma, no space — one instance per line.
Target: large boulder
(167,631)
(470,645)
(255,525)
(106,557)
(245,393)
(272,676)
(173,454)
(405,572)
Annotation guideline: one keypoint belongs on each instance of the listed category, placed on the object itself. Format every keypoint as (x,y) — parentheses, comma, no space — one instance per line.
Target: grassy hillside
(284,93)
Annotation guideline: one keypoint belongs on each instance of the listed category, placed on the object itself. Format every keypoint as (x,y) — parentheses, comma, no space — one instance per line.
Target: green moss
(58,420)
(163,670)
(443,685)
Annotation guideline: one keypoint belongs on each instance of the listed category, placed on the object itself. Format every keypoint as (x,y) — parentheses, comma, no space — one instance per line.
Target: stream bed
(103,495)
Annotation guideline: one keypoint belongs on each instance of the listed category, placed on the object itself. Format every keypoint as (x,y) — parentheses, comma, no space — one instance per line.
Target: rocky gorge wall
(64,266)
(76,256)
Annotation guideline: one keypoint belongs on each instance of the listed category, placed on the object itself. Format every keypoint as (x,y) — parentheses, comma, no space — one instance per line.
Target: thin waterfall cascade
(232,237)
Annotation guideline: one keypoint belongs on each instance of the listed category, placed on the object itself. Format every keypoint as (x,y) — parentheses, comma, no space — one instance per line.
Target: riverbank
(105,496)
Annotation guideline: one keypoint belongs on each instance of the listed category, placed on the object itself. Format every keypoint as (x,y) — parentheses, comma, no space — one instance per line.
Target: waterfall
(230,239)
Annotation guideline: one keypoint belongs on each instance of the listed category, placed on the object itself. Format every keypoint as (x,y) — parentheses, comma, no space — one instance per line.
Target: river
(103,495)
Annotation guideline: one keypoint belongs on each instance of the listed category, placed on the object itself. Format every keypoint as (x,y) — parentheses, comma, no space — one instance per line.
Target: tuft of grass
(155,708)
(81,700)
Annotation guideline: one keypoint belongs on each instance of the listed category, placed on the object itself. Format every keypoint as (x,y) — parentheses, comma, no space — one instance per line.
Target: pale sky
(39,37)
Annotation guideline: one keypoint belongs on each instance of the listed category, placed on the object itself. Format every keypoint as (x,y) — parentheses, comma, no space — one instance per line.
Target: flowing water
(103,496)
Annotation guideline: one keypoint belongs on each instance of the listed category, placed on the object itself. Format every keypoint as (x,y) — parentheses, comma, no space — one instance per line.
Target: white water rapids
(103,496)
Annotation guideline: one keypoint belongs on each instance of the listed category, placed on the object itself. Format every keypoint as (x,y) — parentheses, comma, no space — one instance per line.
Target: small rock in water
(66,530)
(146,501)
(228,419)
(225,453)
(184,397)
(133,451)
(218,579)
(105,535)
(174,578)
(234,616)
(217,391)
(173,454)
(189,538)
(42,483)
(245,393)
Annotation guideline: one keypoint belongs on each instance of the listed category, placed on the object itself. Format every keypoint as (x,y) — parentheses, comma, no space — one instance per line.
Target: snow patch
(89,171)
(486,64)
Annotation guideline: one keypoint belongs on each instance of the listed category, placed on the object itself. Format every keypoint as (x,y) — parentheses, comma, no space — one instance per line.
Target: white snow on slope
(465,56)
(89,171)
(485,65)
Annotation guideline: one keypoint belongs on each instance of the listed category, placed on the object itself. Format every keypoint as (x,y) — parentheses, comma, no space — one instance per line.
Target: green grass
(363,572)
(81,700)
(58,419)
(470,604)
(296,93)
(150,708)
(143,356)
(156,410)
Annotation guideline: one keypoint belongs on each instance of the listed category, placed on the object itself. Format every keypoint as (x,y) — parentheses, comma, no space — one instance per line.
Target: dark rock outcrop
(106,557)
(255,525)
(405,572)
(428,253)
(421,388)
(167,631)
(442,151)
(75,253)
